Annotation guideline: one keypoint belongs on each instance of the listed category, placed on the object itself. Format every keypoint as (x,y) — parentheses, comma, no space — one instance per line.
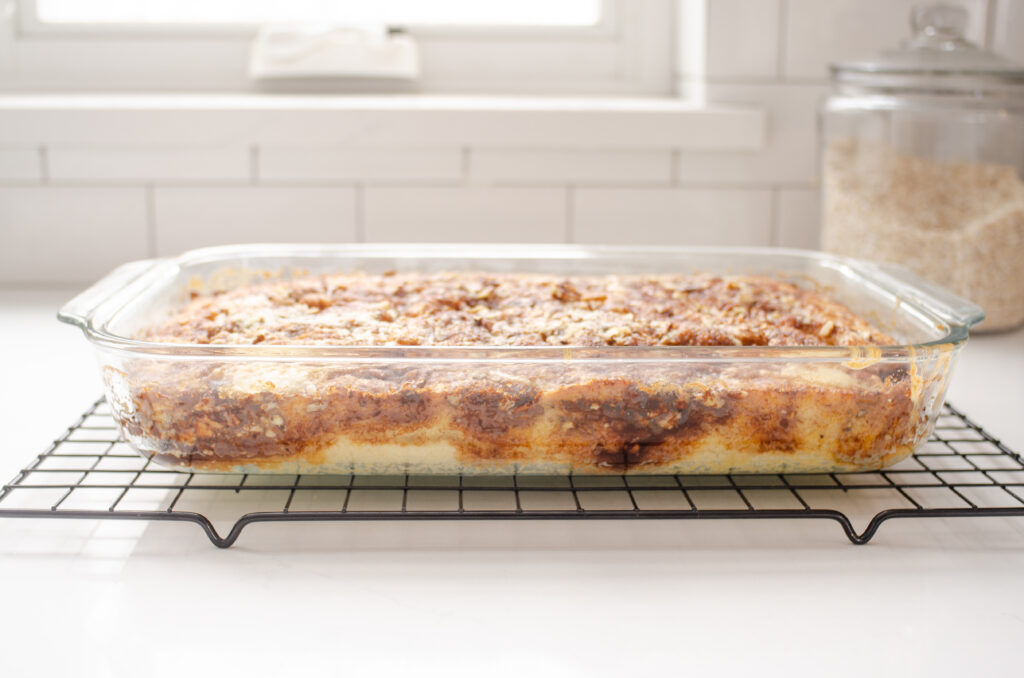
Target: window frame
(628,52)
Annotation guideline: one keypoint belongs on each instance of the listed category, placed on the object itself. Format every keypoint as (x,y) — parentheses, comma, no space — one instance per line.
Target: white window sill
(423,121)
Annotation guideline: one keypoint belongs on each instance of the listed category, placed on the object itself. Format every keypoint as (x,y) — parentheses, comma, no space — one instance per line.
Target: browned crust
(590,424)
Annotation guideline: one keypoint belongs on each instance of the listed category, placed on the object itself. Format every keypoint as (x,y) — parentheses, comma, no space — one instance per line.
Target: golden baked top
(518,309)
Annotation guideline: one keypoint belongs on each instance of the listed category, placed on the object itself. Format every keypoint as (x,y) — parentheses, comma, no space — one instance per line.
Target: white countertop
(926,597)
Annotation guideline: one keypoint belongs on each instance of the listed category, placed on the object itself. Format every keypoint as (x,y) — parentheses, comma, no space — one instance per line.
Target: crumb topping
(518,309)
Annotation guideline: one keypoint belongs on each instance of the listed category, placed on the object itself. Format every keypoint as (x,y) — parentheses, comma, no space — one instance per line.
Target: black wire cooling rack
(89,472)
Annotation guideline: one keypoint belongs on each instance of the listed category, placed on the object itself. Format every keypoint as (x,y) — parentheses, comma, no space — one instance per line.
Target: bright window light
(391,12)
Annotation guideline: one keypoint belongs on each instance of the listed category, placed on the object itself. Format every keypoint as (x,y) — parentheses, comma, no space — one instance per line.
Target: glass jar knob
(938,27)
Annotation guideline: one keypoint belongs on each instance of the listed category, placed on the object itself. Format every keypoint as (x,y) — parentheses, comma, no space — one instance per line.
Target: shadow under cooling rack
(89,472)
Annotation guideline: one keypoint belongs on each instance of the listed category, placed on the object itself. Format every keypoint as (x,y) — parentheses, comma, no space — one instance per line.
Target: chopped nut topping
(467,308)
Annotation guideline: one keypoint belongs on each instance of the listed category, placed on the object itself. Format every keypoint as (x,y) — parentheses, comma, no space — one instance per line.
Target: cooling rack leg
(236,529)
(200,520)
(851,533)
(869,532)
(219,541)
(228,541)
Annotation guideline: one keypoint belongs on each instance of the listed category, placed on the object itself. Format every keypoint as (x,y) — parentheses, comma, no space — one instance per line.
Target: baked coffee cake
(539,374)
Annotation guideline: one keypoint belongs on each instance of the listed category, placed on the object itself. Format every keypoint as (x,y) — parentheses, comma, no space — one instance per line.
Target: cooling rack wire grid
(90,472)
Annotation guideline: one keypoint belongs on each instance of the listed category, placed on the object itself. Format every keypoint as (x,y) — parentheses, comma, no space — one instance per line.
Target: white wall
(71,212)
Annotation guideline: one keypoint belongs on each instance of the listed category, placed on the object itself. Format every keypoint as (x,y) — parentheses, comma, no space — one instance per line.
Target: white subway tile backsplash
(218,215)
(742,38)
(64,234)
(791,152)
(468,214)
(798,218)
(1009,29)
(667,216)
(153,164)
(381,165)
(818,32)
(574,167)
(17,164)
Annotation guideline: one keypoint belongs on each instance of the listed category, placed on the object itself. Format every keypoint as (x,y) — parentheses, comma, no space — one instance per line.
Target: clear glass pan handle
(79,310)
(940,301)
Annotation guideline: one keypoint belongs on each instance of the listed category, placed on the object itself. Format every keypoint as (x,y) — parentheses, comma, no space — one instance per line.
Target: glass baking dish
(527,410)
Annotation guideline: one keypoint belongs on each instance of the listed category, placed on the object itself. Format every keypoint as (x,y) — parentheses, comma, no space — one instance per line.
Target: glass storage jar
(922,163)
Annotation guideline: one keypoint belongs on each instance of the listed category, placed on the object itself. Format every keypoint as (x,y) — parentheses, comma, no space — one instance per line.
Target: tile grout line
(990,23)
(360,208)
(752,81)
(774,225)
(254,164)
(465,165)
(570,213)
(525,184)
(44,165)
(151,219)
(780,56)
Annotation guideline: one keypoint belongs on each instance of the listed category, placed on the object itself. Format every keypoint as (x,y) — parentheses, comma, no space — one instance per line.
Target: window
(618,47)
(240,12)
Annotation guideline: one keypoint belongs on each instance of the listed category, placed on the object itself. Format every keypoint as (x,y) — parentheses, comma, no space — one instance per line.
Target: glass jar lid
(936,59)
